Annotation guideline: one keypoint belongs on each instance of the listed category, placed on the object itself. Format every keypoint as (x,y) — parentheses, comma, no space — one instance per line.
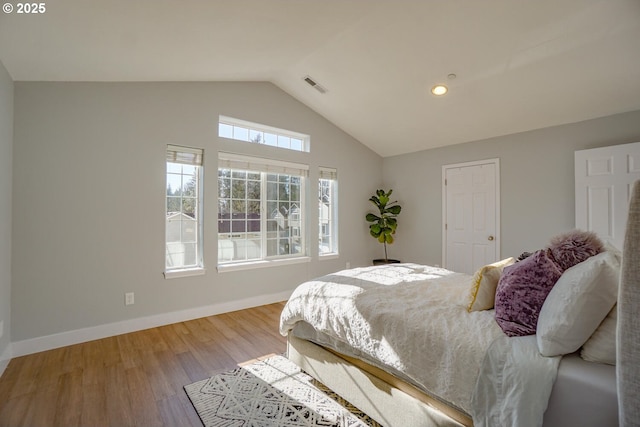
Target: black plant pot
(383,261)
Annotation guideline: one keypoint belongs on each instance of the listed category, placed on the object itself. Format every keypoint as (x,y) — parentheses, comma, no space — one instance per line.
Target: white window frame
(329,175)
(256,133)
(191,157)
(265,167)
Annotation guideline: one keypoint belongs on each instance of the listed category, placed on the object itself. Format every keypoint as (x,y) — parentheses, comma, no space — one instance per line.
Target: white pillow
(577,304)
(601,347)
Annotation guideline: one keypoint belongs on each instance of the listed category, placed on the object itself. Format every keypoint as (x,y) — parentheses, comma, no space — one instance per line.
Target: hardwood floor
(134,379)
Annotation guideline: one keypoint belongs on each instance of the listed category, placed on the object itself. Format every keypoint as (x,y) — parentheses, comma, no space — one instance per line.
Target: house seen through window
(183,233)
(328,212)
(260,209)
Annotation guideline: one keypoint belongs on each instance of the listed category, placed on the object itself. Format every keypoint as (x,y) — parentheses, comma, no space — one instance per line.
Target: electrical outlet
(129,298)
(348,265)
(1,328)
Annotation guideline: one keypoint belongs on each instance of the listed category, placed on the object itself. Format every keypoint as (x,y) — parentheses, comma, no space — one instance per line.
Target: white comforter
(412,319)
(419,326)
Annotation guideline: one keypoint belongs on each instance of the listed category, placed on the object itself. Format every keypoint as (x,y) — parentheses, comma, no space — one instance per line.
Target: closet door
(603,179)
(471,214)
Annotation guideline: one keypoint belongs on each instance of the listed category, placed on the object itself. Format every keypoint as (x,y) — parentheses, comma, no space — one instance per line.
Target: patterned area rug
(271,393)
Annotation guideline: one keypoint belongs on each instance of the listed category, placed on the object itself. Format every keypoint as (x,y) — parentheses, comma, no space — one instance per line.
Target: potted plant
(384,223)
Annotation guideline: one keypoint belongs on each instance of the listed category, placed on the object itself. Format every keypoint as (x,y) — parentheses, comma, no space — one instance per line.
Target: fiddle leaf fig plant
(383,223)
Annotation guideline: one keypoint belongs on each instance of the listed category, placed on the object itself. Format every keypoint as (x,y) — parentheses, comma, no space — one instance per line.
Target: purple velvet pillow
(521,291)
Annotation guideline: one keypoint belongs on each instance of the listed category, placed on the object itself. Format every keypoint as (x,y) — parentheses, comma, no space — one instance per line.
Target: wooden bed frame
(385,398)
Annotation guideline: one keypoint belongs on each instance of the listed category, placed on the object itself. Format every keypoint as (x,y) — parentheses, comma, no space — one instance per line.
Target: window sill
(238,266)
(327,257)
(187,272)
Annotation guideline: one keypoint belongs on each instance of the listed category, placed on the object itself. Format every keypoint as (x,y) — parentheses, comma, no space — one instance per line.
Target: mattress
(584,394)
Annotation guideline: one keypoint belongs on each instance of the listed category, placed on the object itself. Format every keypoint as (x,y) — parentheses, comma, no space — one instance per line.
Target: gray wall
(6,155)
(88,194)
(89,185)
(536,180)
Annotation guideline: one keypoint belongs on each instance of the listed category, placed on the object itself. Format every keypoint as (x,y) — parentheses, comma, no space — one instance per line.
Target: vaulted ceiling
(518,64)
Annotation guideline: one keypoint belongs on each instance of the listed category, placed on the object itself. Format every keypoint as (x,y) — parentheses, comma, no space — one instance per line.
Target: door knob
(490,238)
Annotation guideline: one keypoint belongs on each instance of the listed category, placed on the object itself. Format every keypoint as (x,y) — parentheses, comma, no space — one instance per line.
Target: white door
(603,184)
(471,215)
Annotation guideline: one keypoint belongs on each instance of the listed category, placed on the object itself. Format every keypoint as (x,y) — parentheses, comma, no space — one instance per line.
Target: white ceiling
(520,64)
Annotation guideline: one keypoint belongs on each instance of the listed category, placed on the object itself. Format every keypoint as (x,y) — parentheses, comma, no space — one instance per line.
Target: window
(260,209)
(183,235)
(260,134)
(328,212)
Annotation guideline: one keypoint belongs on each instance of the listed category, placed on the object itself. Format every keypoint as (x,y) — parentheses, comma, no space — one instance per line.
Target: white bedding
(412,319)
(514,384)
(386,313)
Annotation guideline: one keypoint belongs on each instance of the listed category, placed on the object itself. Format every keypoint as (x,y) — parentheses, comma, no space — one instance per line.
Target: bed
(400,343)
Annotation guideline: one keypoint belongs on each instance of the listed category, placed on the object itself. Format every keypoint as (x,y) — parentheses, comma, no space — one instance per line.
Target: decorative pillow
(484,283)
(569,249)
(524,255)
(601,347)
(521,291)
(577,304)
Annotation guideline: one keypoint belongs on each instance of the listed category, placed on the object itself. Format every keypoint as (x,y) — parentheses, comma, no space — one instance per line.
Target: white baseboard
(48,342)
(5,358)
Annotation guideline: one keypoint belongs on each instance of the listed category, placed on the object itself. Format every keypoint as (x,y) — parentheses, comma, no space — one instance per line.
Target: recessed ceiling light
(439,90)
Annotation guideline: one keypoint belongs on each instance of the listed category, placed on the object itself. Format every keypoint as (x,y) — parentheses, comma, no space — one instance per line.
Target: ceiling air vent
(315,85)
